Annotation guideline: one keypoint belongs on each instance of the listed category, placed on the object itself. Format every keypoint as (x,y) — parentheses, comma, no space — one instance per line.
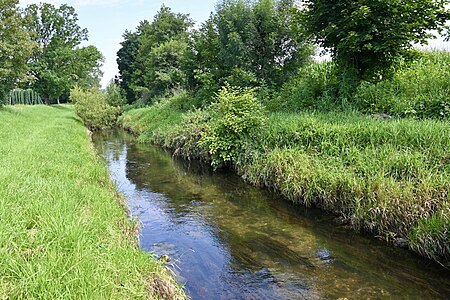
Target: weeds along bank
(387,176)
(417,88)
(65,233)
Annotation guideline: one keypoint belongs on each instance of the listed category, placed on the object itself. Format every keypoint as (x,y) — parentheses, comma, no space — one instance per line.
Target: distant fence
(27,97)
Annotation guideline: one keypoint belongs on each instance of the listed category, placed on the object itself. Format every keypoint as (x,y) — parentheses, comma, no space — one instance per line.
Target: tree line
(40,50)
(263,43)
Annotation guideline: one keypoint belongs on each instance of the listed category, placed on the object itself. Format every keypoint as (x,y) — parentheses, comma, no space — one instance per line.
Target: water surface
(229,240)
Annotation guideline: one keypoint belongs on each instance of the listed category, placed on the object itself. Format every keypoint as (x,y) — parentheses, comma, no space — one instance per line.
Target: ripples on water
(228,240)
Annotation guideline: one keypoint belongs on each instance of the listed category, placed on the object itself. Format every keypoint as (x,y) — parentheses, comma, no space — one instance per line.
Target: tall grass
(419,88)
(153,123)
(64,232)
(388,177)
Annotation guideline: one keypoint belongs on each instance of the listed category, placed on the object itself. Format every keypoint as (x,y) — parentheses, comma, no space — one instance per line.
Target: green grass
(64,233)
(390,177)
(159,118)
(418,88)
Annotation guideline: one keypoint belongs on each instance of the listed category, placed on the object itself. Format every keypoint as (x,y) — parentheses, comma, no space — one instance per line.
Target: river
(229,240)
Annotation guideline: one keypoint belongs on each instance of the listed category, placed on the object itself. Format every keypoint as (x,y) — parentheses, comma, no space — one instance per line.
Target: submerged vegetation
(65,233)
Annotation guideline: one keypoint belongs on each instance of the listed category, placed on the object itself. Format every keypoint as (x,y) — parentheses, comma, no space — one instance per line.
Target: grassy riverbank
(390,177)
(64,231)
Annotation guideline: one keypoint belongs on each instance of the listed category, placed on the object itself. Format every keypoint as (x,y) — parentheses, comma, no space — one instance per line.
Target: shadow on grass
(76,119)
(65,107)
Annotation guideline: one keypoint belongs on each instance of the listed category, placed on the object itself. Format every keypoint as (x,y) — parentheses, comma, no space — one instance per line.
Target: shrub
(184,137)
(235,115)
(93,108)
(420,89)
(312,88)
(115,95)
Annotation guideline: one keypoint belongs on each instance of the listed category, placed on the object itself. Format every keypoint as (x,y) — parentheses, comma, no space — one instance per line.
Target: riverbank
(390,177)
(65,233)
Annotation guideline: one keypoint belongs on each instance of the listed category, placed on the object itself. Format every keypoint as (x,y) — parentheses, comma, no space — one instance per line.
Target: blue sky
(107,20)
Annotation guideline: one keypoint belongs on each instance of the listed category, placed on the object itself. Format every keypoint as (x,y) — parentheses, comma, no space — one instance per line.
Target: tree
(203,66)
(86,63)
(162,47)
(151,59)
(126,58)
(252,39)
(366,36)
(59,63)
(114,95)
(237,33)
(278,51)
(15,47)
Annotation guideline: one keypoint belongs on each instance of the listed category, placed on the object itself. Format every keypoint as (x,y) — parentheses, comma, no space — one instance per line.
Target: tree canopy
(15,47)
(243,42)
(368,35)
(150,60)
(58,63)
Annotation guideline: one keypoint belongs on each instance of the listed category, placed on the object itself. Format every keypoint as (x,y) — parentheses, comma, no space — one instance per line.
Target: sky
(107,20)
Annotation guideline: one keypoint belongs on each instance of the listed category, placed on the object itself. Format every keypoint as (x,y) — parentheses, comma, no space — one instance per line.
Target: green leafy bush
(183,139)
(235,115)
(312,88)
(114,95)
(93,108)
(420,89)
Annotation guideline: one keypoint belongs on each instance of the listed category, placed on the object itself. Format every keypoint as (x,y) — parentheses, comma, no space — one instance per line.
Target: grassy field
(390,177)
(64,232)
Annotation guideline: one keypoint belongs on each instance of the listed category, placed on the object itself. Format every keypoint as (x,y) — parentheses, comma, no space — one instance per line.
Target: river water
(229,240)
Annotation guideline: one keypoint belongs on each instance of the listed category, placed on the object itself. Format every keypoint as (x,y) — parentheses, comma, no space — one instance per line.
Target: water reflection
(228,240)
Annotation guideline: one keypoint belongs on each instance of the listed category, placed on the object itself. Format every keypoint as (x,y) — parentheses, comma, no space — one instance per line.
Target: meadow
(65,232)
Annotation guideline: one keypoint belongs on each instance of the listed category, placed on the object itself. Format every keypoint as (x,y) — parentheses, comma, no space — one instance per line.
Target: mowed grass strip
(64,233)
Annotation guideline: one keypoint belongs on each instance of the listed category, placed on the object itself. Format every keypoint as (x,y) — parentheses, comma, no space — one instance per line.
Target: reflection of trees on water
(110,143)
(271,243)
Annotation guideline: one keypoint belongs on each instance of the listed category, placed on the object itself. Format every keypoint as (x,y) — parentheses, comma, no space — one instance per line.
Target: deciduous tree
(254,39)
(162,47)
(126,58)
(368,35)
(59,63)
(15,47)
